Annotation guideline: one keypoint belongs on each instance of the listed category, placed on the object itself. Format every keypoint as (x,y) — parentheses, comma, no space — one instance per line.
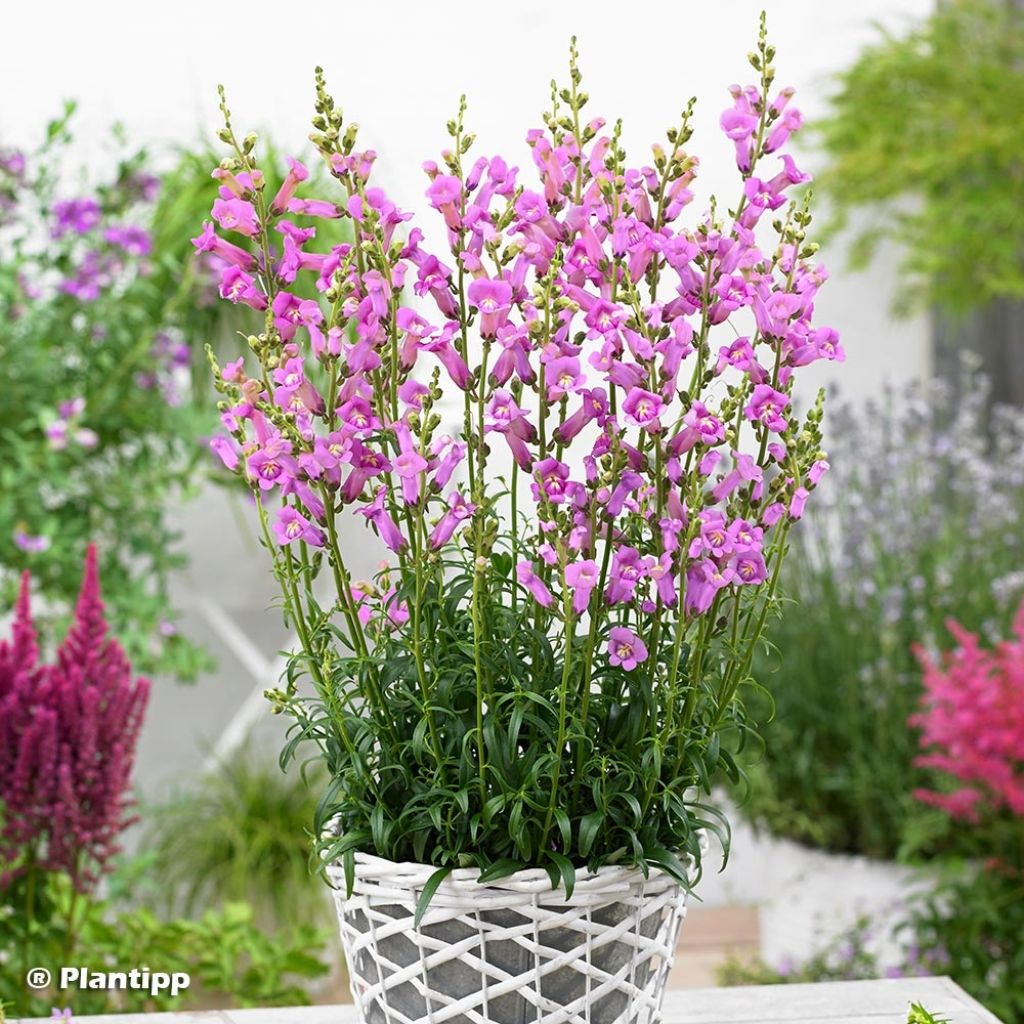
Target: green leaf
(428,893)
(565,870)
(590,826)
(500,869)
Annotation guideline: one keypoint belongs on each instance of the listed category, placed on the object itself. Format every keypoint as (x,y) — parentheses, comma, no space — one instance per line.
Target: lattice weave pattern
(513,952)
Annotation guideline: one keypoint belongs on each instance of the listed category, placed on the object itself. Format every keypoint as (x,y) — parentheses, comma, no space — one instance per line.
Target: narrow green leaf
(428,893)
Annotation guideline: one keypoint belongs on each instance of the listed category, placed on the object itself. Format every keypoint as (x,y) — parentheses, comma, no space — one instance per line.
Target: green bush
(925,115)
(241,835)
(230,961)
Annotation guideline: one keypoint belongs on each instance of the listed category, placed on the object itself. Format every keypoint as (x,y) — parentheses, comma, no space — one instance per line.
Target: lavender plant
(923,527)
(581,566)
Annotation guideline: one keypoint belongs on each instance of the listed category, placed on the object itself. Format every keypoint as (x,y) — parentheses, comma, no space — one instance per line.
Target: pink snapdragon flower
(625,648)
(582,577)
(235,215)
(387,529)
(492,299)
(767,406)
(534,584)
(643,409)
(291,525)
(700,426)
(459,512)
(551,479)
(297,173)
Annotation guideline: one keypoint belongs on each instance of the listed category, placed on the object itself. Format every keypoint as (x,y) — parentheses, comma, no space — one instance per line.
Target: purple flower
(493,299)
(441,345)
(459,510)
(594,407)
(409,465)
(450,454)
(386,527)
(627,570)
(749,567)
(133,240)
(209,241)
(743,537)
(272,464)
(445,193)
(534,584)
(628,483)
(225,451)
(235,215)
(297,173)
(562,375)
(643,409)
(77,215)
(700,426)
(714,538)
(703,581)
(292,525)
(746,470)
(581,578)
(625,648)
(660,570)
(817,471)
(773,313)
(443,190)
(33,544)
(238,286)
(411,394)
(766,406)
(550,481)
(799,500)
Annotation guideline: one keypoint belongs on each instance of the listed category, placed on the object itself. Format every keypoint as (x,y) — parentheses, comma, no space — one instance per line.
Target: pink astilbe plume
(68,733)
(972,725)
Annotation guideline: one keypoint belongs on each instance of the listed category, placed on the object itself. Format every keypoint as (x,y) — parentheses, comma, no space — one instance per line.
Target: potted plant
(520,712)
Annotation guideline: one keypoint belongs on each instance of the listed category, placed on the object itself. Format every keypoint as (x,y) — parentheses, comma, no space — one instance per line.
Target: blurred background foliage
(920,522)
(242,833)
(105,310)
(923,134)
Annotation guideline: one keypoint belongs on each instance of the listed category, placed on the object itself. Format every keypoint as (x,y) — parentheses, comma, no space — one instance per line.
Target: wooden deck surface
(841,1002)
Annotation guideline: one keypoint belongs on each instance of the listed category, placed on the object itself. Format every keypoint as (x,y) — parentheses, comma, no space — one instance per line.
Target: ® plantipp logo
(136,979)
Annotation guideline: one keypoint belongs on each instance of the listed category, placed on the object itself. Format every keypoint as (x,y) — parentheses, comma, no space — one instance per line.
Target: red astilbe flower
(68,733)
(972,725)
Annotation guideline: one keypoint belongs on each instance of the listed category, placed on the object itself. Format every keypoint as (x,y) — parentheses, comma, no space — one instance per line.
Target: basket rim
(373,870)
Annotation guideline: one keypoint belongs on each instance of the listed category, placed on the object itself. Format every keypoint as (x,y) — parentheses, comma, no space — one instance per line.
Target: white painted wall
(398,69)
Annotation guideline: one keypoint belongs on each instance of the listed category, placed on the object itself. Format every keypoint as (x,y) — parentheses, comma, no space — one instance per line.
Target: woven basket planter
(511,952)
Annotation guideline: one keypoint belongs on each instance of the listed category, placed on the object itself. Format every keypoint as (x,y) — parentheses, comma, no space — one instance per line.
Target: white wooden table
(838,1002)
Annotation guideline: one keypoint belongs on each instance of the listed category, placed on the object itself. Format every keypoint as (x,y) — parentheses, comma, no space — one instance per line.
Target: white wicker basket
(511,952)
